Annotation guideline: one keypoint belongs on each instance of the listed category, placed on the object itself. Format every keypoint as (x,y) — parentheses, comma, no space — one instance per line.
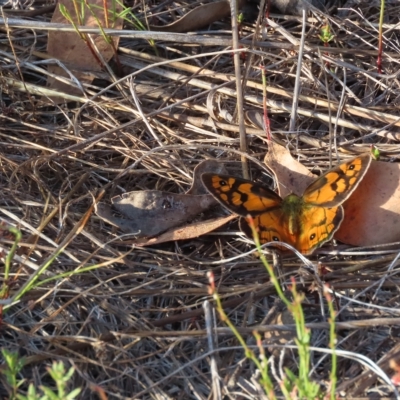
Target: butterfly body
(292,210)
(305,222)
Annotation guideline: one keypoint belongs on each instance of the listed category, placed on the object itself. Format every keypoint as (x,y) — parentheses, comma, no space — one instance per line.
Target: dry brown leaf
(291,176)
(73,51)
(198,18)
(188,231)
(147,213)
(151,212)
(372,213)
(206,14)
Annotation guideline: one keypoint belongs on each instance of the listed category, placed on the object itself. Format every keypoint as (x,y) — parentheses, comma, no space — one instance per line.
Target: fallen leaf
(73,51)
(198,18)
(148,213)
(291,176)
(188,231)
(372,213)
(151,212)
(206,14)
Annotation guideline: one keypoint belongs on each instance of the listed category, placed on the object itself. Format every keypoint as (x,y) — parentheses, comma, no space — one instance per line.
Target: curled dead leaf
(199,17)
(73,51)
(290,175)
(205,166)
(151,212)
(206,14)
(148,213)
(187,232)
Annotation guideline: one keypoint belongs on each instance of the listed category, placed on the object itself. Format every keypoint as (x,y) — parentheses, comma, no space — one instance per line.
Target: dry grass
(135,324)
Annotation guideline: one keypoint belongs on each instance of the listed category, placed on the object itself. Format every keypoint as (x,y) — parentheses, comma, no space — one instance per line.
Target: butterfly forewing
(240,195)
(337,184)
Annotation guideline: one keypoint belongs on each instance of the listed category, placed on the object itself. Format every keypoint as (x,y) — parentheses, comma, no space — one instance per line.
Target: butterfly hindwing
(318,225)
(270,227)
(241,196)
(336,185)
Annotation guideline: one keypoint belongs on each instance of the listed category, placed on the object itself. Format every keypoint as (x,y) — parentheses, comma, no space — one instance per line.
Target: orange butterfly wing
(241,196)
(311,228)
(336,185)
(270,226)
(245,198)
(317,226)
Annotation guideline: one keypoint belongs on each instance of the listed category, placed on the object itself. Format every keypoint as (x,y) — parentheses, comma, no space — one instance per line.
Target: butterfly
(305,222)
